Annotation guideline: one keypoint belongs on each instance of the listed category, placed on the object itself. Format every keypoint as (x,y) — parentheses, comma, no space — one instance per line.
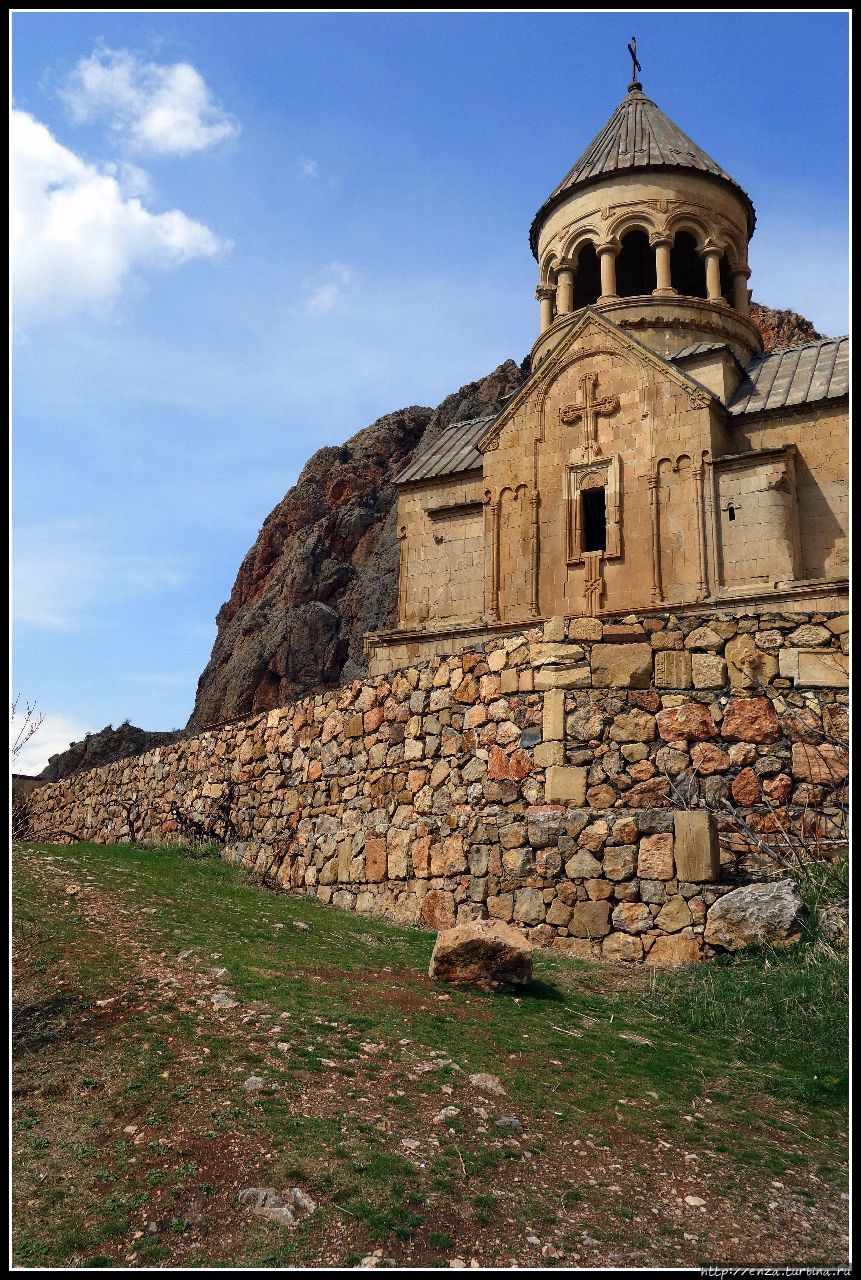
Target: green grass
(747,1060)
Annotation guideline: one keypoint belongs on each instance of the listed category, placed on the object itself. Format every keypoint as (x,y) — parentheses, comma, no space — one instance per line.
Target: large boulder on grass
(483,954)
(756,913)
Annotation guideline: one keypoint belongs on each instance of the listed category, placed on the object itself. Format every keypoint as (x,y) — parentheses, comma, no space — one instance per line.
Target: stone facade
(601,816)
(654,457)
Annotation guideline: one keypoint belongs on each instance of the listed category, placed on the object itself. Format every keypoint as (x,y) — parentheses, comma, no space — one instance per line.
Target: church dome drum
(653,232)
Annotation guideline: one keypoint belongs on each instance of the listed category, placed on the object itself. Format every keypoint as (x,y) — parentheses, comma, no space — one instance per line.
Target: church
(656,458)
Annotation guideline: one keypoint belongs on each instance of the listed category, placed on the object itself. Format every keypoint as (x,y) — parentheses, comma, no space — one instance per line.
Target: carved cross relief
(589,409)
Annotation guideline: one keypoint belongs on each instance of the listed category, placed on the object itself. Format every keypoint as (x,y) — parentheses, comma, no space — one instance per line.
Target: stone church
(655,458)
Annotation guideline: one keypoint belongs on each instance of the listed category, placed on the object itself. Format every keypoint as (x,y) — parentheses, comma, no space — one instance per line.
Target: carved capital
(611,246)
(545,291)
(699,398)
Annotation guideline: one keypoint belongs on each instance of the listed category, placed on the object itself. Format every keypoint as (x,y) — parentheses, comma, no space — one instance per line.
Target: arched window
(687,269)
(587,281)
(726,280)
(635,266)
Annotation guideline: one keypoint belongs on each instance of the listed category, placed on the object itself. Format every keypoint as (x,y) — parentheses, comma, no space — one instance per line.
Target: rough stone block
(655,859)
(807,635)
(590,920)
(622,946)
(565,785)
(673,670)
(691,721)
(756,913)
(697,852)
(501,906)
(489,956)
(585,629)
(633,726)
(547,754)
(704,638)
(708,671)
(815,668)
(437,910)
(632,917)
(376,859)
(553,717)
(674,915)
(529,906)
(622,666)
(747,665)
(827,763)
(620,862)
(543,655)
(750,720)
(562,677)
(508,681)
(582,866)
(675,950)
(554,629)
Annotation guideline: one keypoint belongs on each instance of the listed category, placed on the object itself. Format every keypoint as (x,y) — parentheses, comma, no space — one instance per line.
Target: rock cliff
(97,749)
(323,570)
(782,328)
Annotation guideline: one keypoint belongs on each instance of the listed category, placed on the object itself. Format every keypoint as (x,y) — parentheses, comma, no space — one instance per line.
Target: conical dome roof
(637,136)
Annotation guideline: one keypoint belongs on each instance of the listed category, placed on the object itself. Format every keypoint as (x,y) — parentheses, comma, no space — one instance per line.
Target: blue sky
(239,237)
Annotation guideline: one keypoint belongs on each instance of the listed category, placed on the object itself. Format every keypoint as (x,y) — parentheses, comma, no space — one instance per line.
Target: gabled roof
(794,376)
(639,136)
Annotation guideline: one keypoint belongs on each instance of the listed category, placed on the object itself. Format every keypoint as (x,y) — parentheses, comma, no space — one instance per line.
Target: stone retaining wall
(600,785)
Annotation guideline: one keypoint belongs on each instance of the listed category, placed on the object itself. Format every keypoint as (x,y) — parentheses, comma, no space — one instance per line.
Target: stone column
(662,246)
(657,593)
(740,277)
(607,254)
(565,287)
(494,561)
(712,256)
(546,294)
(701,538)
(402,574)
(536,554)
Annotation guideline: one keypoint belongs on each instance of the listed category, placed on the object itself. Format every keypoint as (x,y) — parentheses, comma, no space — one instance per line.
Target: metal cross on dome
(632,49)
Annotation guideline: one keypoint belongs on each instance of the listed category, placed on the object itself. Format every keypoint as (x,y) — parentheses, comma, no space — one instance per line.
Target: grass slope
(627,1094)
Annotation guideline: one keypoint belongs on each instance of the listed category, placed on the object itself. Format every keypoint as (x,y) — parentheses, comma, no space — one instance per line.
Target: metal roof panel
(798,375)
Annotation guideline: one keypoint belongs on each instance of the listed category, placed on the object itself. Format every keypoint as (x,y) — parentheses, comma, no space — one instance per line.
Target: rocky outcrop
(782,328)
(323,570)
(104,747)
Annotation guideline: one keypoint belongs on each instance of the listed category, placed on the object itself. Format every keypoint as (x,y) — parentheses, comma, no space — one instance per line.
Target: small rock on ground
(286,1207)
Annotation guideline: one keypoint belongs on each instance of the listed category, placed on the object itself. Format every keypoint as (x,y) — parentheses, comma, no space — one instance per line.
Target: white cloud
(309,169)
(54,734)
(77,231)
(167,110)
(326,289)
(63,577)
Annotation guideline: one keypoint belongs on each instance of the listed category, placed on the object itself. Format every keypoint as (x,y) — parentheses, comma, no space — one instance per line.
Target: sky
(239,237)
